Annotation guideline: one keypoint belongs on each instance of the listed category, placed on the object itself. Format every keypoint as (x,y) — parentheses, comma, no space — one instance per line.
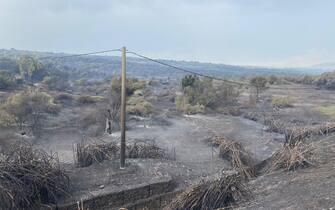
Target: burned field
(228,152)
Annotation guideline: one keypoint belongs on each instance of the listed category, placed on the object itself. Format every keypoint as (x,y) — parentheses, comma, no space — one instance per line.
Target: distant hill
(325,66)
(98,67)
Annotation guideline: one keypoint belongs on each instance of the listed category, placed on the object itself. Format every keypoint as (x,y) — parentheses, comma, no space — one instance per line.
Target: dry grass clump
(291,157)
(275,125)
(30,177)
(225,191)
(88,153)
(145,149)
(297,134)
(236,154)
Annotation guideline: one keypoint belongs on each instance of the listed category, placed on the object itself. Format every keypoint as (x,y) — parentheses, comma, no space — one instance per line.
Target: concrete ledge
(123,198)
(153,203)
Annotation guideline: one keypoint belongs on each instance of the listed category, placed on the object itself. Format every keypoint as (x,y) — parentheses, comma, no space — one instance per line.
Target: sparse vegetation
(80,82)
(188,108)
(282,102)
(56,81)
(87,98)
(199,94)
(92,122)
(326,110)
(325,80)
(136,105)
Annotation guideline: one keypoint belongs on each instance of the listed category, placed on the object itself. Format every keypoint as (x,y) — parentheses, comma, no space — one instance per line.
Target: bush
(133,85)
(198,94)
(139,106)
(326,110)
(283,102)
(188,108)
(28,108)
(64,97)
(56,82)
(80,82)
(89,99)
(6,80)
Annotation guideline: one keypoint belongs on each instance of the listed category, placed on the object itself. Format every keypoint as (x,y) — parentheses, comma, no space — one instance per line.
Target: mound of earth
(310,188)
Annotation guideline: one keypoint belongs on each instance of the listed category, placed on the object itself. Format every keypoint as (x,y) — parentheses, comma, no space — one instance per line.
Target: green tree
(189,81)
(30,68)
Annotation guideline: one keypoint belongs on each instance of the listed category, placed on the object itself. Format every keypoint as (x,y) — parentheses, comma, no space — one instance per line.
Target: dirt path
(250,134)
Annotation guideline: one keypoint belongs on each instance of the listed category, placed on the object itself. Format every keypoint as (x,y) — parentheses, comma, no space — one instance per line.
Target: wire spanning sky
(280,33)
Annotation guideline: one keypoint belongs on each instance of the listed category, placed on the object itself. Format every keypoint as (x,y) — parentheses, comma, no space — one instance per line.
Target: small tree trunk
(108,126)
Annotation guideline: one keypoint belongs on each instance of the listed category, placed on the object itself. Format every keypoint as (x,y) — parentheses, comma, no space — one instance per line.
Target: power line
(78,55)
(159,62)
(186,70)
(204,75)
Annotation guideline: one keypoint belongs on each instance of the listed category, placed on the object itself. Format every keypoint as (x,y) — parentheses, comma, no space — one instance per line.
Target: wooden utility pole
(123,110)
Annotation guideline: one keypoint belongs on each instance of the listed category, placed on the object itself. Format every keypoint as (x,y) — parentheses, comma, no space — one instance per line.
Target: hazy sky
(254,32)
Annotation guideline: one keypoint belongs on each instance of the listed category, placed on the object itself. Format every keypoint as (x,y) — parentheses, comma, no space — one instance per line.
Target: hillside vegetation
(325,80)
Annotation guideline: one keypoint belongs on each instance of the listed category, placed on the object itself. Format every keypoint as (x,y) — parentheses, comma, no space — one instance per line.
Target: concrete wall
(124,198)
(153,203)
